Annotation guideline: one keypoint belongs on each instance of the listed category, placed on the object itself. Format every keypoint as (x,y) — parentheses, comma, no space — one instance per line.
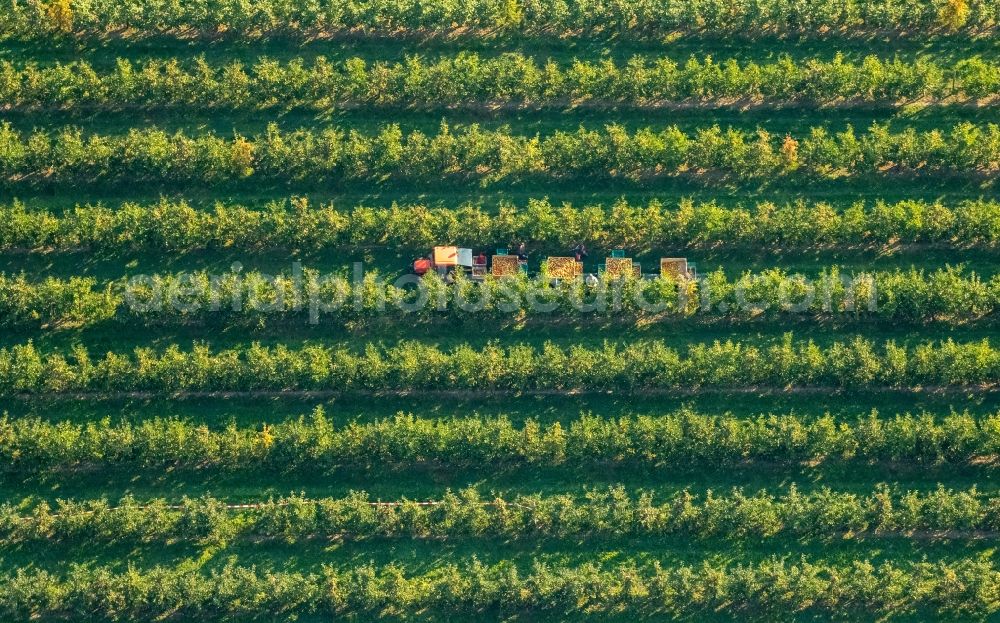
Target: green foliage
(333,155)
(55,302)
(823,513)
(173,227)
(59,62)
(954,14)
(912,296)
(468,79)
(317,443)
(965,589)
(624,18)
(414,365)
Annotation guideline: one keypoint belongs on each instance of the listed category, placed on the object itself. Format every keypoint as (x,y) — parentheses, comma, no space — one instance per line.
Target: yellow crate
(618,267)
(505,265)
(564,268)
(675,267)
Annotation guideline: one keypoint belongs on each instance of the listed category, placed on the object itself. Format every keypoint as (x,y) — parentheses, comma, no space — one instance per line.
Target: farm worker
(481,259)
(580,252)
(590,280)
(522,252)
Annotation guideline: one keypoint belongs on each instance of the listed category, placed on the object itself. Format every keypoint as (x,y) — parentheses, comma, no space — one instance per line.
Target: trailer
(444,260)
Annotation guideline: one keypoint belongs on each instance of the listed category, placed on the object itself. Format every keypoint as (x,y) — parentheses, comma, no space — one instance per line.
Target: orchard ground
(429,482)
